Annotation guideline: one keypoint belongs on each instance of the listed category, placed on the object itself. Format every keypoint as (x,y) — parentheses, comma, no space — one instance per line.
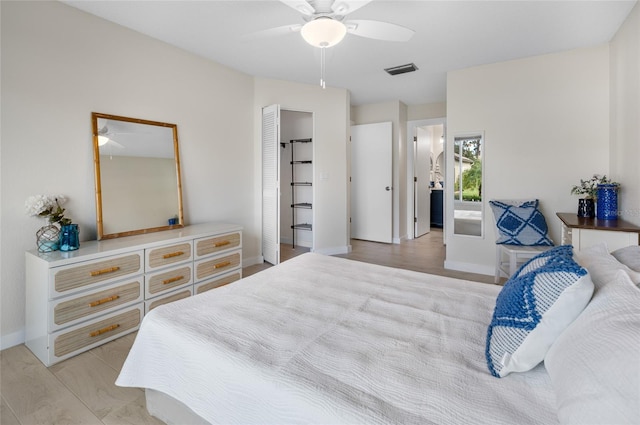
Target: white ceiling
(448,35)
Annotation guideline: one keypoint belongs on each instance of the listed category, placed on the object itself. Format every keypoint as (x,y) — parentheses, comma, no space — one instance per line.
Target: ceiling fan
(325,24)
(105,136)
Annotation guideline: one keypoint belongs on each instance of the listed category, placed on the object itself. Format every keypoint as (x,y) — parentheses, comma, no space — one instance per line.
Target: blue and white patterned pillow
(522,224)
(541,259)
(532,309)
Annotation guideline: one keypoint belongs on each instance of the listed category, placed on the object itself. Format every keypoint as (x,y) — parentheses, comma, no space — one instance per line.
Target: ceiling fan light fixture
(102,140)
(323,32)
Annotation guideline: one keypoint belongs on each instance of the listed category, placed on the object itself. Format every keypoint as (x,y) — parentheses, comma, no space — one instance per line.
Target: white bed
(467,222)
(327,340)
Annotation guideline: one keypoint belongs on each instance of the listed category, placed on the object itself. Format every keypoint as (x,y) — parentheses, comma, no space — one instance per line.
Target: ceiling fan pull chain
(322,67)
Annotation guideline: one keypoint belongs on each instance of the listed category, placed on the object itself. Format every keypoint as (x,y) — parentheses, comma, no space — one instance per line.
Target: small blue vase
(69,240)
(607,204)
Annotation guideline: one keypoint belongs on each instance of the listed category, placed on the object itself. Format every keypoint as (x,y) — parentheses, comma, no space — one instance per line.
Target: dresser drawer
(211,267)
(217,244)
(82,276)
(85,336)
(67,312)
(167,255)
(174,296)
(160,282)
(218,281)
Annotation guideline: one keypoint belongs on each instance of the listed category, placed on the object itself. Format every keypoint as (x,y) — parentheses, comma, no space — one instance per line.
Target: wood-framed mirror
(137,176)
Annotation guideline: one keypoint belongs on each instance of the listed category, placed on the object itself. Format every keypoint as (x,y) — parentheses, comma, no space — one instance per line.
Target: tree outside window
(468,169)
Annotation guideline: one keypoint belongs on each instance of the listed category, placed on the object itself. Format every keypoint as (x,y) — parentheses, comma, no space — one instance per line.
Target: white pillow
(603,266)
(533,308)
(629,256)
(594,365)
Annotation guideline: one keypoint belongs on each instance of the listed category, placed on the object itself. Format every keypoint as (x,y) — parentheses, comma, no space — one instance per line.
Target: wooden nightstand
(583,232)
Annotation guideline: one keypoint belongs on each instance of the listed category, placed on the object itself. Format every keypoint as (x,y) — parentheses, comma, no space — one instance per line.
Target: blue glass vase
(69,239)
(607,204)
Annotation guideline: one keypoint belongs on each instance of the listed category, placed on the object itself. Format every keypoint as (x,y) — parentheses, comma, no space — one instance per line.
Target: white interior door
(422,172)
(371,180)
(271,184)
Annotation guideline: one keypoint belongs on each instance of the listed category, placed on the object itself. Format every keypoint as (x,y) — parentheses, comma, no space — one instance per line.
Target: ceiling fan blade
(342,7)
(379,30)
(114,143)
(301,6)
(273,32)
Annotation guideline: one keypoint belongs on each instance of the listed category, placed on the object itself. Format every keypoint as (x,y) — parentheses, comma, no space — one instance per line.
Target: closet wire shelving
(298,205)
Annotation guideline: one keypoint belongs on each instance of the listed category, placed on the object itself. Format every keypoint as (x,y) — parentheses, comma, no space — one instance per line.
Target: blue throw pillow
(522,224)
(540,260)
(533,308)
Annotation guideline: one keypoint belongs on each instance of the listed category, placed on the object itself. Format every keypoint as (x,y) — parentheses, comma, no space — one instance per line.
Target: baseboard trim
(469,267)
(334,250)
(246,262)
(11,340)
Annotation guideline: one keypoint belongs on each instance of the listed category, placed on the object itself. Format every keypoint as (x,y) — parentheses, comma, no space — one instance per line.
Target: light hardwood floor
(425,254)
(81,390)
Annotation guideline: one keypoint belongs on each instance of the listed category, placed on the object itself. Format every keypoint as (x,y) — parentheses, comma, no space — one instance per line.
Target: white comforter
(320,339)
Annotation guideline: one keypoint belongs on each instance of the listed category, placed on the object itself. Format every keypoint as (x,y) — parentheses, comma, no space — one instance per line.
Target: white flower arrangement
(47,206)
(590,187)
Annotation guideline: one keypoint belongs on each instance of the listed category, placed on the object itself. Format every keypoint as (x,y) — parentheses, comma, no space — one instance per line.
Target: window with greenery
(468,168)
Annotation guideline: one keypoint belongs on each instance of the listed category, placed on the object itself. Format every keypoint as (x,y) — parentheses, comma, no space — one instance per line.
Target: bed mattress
(320,339)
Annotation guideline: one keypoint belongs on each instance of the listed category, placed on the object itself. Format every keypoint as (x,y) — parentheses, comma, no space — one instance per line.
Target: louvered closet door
(271,184)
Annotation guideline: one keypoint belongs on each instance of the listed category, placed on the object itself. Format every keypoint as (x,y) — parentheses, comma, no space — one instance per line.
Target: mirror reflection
(467,191)
(137,176)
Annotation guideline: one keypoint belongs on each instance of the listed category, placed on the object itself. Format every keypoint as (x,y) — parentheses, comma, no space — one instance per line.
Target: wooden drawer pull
(173,254)
(104,300)
(173,279)
(104,330)
(223,264)
(221,243)
(104,271)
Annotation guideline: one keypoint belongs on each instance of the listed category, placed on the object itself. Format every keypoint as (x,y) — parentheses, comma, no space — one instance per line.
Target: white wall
(546,125)
(625,115)
(426,111)
(58,65)
(330,108)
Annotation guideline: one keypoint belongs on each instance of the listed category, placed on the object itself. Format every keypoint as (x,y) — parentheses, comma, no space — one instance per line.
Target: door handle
(387,188)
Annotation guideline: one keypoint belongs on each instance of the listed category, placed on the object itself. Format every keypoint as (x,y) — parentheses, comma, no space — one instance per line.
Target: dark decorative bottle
(586,207)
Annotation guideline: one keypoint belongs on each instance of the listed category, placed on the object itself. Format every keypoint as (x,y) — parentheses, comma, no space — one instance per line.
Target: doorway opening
(425,174)
(296,179)
(287,181)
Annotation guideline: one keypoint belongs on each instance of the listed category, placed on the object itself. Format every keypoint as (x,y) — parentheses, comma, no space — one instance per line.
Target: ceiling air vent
(410,67)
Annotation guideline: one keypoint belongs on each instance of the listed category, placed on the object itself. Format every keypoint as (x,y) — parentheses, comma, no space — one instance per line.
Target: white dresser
(81,299)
